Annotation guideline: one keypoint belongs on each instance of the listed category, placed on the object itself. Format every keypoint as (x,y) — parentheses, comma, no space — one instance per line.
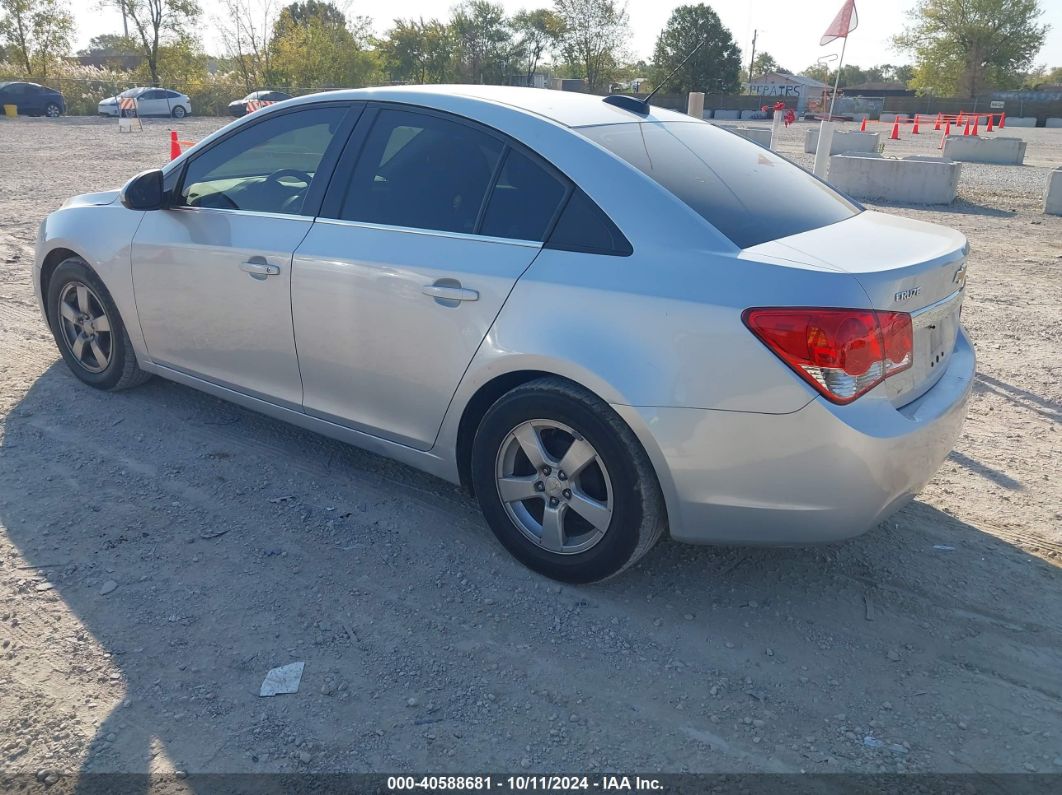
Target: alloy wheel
(554,486)
(85,327)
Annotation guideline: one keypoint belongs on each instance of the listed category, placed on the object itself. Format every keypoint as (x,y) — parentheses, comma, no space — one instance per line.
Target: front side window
(266,167)
(421,171)
(747,192)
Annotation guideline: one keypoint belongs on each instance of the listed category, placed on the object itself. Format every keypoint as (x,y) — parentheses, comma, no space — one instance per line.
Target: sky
(788,30)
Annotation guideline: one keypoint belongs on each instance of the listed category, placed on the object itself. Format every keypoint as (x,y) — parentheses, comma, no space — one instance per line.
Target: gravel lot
(161,550)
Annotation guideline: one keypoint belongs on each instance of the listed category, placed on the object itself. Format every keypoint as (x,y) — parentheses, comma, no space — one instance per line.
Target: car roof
(569,108)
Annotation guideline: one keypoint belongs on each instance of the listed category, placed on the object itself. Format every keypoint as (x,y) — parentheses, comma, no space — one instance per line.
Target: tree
(967,47)
(538,32)
(314,46)
(715,68)
(594,38)
(484,41)
(415,51)
(111,44)
(157,23)
(35,33)
(244,28)
(763,64)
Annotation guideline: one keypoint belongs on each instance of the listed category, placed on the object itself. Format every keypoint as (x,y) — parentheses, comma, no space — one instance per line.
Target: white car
(606,320)
(149,102)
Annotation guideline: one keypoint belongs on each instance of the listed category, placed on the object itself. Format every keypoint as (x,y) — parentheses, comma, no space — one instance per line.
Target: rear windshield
(747,192)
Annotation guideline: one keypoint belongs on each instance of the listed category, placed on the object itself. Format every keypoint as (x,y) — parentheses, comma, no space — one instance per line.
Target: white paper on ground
(284,679)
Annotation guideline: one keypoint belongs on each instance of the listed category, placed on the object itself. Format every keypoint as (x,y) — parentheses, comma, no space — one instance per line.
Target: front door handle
(257,266)
(444,292)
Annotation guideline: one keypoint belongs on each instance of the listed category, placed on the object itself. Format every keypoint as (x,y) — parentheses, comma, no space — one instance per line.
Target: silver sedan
(606,321)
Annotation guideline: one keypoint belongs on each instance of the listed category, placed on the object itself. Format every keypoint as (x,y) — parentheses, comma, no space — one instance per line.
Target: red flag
(844,23)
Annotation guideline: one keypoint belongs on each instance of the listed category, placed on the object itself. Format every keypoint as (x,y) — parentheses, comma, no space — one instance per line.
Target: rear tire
(52,111)
(580,526)
(179,112)
(88,329)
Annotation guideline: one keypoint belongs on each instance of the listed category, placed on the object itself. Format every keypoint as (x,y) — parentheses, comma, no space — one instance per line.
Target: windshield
(747,192)
(133,92)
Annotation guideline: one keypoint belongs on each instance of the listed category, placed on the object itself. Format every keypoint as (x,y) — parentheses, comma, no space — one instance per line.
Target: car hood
(92,199)
(109,101)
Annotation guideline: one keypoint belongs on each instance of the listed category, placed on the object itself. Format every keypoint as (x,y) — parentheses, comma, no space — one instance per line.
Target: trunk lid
(904,266)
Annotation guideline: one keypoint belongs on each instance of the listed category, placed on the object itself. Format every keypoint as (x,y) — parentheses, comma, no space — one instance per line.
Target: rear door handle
(445,293)
(257,266)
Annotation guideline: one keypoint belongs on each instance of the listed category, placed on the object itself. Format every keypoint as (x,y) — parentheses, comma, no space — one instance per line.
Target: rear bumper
(819,474)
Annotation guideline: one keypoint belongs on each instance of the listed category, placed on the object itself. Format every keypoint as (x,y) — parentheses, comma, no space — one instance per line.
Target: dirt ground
(161,550)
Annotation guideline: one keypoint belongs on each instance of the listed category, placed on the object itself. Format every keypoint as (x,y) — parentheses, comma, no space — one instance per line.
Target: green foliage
(35,33)
(156,24)
(969,47)
(852,75)
(314,46)
(537,32)
(111,44)
(593,39)
(483,39)
(416,51)
(716,67)
(764,63)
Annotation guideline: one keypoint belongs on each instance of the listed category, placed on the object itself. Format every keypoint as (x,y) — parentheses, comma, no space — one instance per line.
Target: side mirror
(144,191)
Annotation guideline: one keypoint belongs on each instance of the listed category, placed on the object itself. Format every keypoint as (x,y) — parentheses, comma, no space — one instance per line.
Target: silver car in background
(605,322)
(149,102)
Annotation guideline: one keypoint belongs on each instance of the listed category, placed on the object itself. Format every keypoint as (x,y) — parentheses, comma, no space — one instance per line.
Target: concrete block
(975,149)
(1020,121)
(707,114)
(915,180)
(753,114)
(1053,122)
(1053,193)
(728,114)
(758,135)
(891,117)
(695,105)
(843,141)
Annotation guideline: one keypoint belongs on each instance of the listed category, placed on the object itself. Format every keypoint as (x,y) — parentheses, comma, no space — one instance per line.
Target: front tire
(88,329)
(564,484)
(179,112)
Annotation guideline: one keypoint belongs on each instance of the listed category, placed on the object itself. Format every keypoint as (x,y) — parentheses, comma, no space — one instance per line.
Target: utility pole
(752,58)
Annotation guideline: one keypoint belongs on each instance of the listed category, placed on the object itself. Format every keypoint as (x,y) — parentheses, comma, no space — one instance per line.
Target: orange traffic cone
(1002,120)
(175,145)
(940,118)
(989,127)
(966,130)
(976,119)
(914,130)
(863,126)
(947,132)
(895,131)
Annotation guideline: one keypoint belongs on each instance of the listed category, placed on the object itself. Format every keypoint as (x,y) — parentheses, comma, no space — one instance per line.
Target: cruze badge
(905,295)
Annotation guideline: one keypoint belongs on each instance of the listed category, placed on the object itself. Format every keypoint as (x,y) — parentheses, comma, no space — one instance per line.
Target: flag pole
(837,80)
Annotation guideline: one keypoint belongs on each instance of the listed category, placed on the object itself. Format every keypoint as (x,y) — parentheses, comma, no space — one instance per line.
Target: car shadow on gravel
(238,543)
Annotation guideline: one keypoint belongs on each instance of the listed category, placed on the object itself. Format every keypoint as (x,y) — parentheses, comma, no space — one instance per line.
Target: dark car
(238,107)
(32,99)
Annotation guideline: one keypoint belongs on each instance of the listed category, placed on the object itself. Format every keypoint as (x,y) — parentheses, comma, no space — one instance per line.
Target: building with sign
(792,89)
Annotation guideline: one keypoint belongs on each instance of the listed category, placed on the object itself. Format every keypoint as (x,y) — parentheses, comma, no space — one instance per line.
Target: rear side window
(524,201)
(747,192)
(418,170)
(583,227)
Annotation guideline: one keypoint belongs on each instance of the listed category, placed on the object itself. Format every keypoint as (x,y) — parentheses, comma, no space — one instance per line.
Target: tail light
(843,353)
